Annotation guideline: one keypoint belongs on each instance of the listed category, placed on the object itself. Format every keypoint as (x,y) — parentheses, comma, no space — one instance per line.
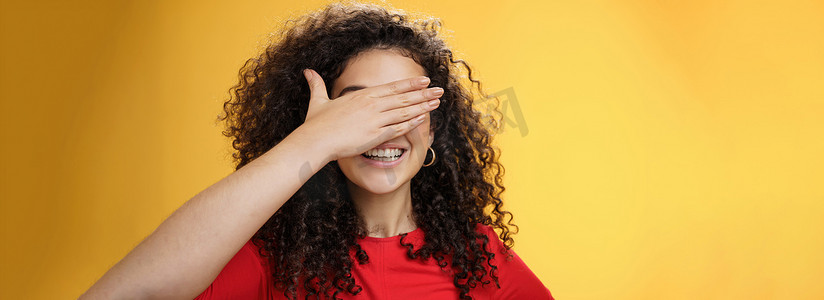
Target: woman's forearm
(190,248)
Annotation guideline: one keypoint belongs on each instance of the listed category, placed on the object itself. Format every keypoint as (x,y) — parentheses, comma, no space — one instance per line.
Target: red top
(389,274)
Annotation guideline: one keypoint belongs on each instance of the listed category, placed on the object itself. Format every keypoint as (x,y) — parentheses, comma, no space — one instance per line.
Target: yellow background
(674,151)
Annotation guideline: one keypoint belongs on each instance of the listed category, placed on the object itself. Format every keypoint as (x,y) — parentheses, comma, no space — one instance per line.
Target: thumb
(317,92)
(317,88)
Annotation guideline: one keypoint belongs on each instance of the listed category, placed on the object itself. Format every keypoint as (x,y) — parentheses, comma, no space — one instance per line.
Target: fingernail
(419,119)
(437,92)
(307,74)
(434,103)
(424,81)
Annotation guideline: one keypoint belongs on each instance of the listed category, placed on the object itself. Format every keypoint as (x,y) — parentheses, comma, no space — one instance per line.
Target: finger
(406,113)
(317,91)
(401,86)
(399,129)
(411,98)
(317,87)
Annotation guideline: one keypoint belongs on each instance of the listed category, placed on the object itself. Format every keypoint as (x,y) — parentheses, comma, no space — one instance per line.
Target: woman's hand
(360,120)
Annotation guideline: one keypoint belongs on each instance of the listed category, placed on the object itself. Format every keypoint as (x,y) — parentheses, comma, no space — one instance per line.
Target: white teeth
(384,153)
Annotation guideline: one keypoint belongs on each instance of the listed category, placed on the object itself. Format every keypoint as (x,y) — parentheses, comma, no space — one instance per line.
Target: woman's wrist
(303,144)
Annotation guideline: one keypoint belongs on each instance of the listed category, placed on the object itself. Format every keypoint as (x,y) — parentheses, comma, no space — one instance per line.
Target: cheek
(353,171)
(345,164)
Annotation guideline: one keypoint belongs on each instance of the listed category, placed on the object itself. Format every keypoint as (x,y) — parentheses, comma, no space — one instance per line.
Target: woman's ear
(431,136)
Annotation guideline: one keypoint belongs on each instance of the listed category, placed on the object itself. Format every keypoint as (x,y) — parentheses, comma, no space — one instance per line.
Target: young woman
(363,172)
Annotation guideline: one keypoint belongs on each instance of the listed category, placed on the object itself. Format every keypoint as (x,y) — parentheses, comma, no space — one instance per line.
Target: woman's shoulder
(245,276)
(495,243)
(517,281)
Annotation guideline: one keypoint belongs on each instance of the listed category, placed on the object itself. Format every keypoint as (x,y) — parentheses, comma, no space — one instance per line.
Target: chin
(378,181)
(377,188)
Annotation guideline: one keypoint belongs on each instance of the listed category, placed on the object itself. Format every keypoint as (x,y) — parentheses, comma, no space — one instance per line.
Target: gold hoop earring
(433,158)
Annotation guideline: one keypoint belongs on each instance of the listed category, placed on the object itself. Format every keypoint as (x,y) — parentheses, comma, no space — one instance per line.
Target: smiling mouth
(390,154)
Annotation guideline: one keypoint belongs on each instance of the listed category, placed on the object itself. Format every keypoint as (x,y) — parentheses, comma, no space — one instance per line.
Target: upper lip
(389,146)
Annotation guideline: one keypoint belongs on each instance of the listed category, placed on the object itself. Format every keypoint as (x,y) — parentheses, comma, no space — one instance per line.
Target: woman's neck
(384,215)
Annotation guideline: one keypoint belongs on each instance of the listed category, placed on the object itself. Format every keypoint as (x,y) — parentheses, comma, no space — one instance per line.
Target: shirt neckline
(418,232)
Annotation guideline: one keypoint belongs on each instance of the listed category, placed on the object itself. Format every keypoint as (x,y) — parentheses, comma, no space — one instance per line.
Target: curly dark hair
(309,239)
